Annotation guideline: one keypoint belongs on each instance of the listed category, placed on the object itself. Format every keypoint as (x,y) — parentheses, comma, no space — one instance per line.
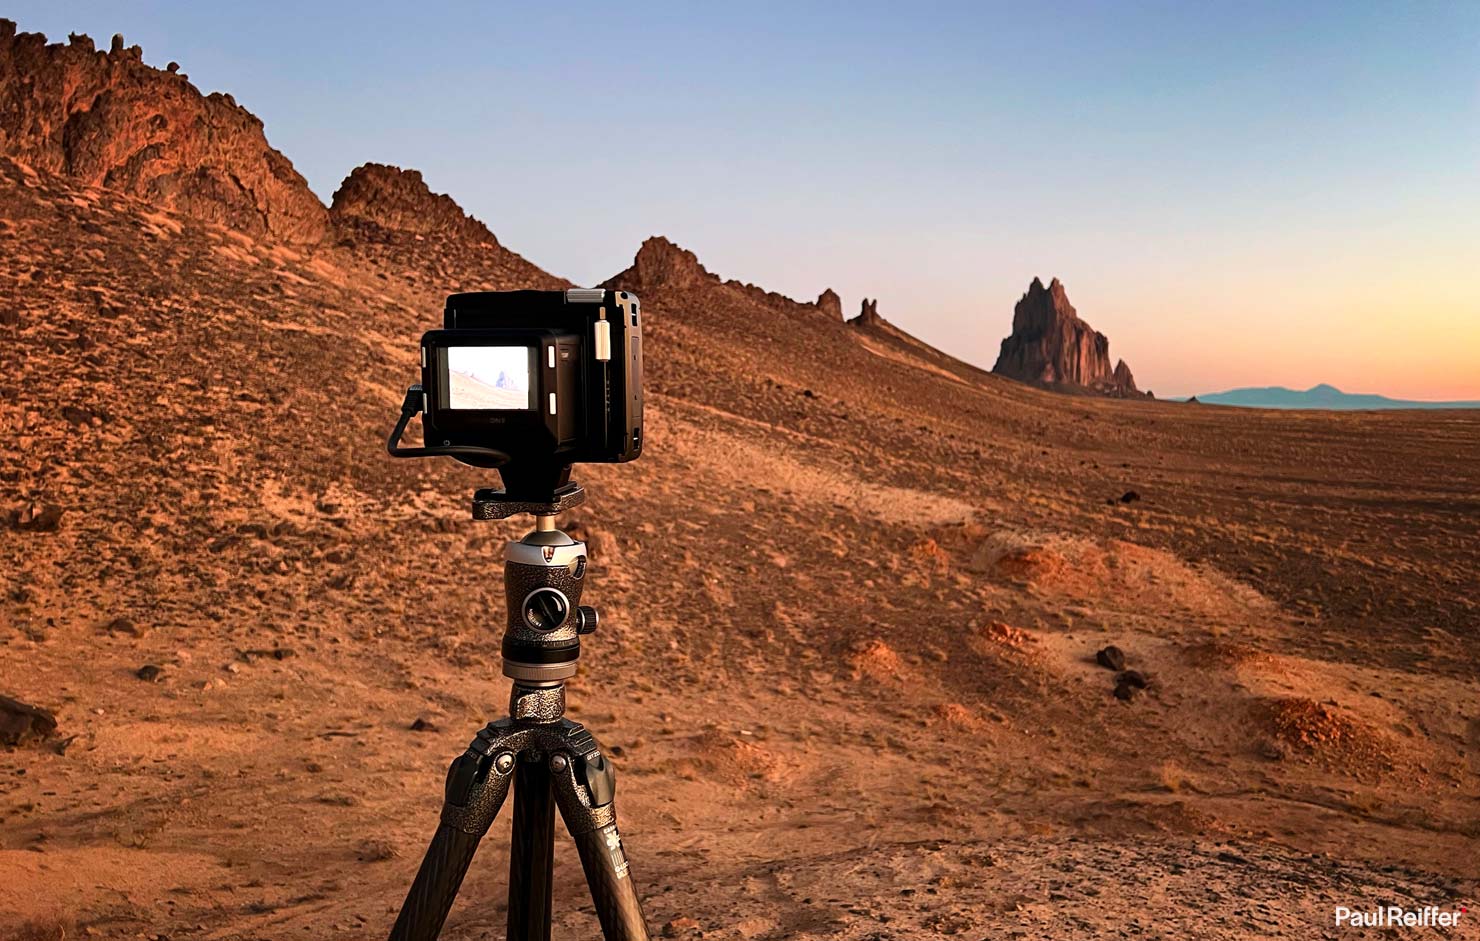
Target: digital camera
(532,382)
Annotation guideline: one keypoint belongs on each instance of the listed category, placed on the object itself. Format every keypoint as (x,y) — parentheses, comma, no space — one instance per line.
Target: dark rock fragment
(1133,678)
(39,518)
(125,626)
(22,723)
(1111,658)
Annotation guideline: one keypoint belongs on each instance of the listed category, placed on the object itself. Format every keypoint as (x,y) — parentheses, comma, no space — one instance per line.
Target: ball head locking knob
(545,609)
(586,619)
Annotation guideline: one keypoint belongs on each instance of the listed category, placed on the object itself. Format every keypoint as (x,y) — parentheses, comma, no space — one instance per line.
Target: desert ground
(856,594)
(853,595)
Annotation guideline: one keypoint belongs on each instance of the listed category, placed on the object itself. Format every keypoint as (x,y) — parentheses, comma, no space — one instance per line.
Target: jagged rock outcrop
(660,264)
(1051,346)
(662,269)
(868,313)
(107,119)
(400,200)
(1122,376)
(830,304)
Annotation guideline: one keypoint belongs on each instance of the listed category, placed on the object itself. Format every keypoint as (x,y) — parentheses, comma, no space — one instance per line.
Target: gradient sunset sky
(1237,194)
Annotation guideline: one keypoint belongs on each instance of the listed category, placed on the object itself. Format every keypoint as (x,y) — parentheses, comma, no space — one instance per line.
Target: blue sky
(1236,194)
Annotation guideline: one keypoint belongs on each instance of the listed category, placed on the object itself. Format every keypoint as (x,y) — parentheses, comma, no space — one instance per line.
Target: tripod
(550,761)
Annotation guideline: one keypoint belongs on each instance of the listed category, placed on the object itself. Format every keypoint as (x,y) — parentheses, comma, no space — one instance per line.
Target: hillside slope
(851,596)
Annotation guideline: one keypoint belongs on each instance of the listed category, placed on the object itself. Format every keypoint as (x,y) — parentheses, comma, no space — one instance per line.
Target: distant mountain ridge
(1323,395)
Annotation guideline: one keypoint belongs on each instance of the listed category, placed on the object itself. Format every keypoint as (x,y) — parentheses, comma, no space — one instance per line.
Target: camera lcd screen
(494,378)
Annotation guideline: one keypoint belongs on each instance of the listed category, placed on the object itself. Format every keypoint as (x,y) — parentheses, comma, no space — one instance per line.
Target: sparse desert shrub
(1323,730)
(54,928)
(1173,777)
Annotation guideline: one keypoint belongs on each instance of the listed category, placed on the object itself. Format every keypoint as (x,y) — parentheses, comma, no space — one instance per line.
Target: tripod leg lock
(478,782)
(600,779)
(584,781)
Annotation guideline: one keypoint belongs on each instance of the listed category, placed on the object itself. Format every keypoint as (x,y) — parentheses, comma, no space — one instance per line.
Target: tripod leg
(477,784)
(585,791)
(531,854)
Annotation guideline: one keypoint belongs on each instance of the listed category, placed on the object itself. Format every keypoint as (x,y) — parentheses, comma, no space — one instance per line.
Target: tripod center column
(545,703)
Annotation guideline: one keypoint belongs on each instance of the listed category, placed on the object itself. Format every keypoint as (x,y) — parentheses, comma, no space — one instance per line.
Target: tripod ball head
(544,574)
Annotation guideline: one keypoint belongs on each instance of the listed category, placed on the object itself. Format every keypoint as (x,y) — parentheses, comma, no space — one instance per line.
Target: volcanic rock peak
(1050,345)
(659,262)
(401,201)
(868,313)
(830,304)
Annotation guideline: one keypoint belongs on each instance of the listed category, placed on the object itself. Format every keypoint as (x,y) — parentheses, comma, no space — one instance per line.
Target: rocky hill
(1051,346)
(424,239)
(661,266)
(856,603)
(401,201)
(107,119)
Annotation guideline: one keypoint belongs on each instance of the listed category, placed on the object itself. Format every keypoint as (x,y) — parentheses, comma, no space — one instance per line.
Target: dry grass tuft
(54,928)
(1173,777)
(875,660)
(954,715)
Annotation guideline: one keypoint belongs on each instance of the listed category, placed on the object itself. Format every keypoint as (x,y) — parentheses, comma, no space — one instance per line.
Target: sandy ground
(851,610)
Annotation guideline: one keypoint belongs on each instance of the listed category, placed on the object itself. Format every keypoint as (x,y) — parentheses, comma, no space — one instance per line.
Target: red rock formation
(390,215)
(662,264)
(1051,346)
(107,119)
(830,304)
(868,314)
(1122,374)
(401,200)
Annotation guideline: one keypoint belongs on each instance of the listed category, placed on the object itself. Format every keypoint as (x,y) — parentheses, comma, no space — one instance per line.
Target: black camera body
(532,382)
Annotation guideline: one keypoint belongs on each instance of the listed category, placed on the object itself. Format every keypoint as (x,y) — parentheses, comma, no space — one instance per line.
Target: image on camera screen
(488,377)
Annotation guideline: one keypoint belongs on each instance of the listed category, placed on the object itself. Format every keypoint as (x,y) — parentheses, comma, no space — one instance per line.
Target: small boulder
(1111,658)
(125,626)
(1133,678)
(22,723)
(150,673)
(38,518)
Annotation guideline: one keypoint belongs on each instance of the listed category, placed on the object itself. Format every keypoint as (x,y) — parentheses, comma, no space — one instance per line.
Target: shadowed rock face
(400,200)
(1050,345)
(107,119)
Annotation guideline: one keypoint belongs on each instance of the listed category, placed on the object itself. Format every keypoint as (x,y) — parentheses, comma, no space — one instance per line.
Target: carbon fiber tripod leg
(477,784)
(531,854)
(585,791)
